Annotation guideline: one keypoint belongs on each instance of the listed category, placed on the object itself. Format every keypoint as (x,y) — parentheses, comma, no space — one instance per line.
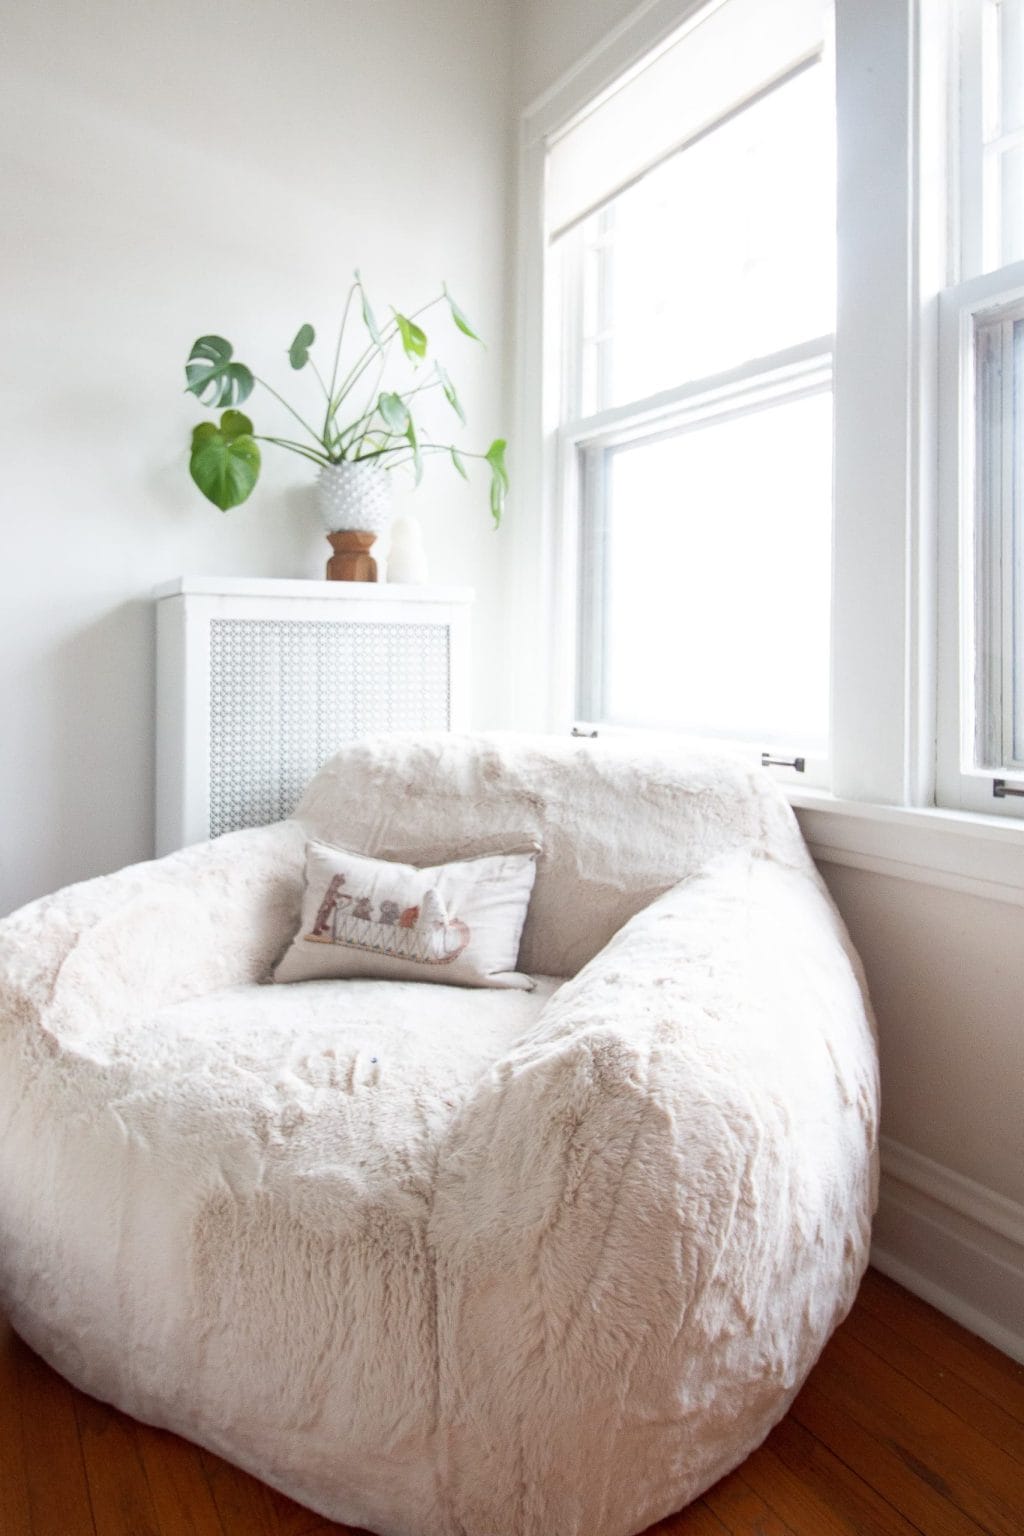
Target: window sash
(996,493)
(806,365)
(990,196)
(583,440)
(982,677)
(586,260)
(788,376)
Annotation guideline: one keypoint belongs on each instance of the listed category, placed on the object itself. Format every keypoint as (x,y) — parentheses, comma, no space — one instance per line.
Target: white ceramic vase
(407,558)
(354,497)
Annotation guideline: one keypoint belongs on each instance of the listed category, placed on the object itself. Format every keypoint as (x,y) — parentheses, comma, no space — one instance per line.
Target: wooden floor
(907,1425)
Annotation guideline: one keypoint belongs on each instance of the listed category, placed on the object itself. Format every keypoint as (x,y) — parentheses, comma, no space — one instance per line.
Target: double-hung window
(691,224)
(981,704)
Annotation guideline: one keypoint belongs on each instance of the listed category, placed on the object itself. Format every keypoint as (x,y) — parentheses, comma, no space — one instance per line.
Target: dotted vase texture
(354,497)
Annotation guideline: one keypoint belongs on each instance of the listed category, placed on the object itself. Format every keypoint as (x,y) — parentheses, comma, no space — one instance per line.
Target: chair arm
(652,1213)
(210,916)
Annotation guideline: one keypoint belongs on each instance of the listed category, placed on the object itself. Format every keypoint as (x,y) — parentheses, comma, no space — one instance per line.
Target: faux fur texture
(441,1262)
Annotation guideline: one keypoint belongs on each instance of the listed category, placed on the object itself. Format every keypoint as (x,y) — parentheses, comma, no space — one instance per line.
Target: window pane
(1002,131)
(1009,66)
(998,631)
(716,567)
(726,252)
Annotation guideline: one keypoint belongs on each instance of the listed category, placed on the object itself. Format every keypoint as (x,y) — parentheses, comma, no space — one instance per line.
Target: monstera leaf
(298,352)
(213,377)
(495,457)
(225,462)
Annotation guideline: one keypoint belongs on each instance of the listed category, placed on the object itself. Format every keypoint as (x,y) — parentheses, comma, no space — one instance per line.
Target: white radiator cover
(259,682)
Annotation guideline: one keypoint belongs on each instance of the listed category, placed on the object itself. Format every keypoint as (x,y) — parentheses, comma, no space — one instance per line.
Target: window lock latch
(767,761)
(1000,789)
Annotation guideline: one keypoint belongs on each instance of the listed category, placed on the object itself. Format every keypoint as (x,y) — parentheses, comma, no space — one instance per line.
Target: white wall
(169,170)
(947,979)
(553,35)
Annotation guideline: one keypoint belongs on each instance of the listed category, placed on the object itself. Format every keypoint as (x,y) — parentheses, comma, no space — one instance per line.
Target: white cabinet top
(265,586)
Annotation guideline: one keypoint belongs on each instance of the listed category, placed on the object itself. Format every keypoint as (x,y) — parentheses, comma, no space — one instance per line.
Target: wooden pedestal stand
(351,560)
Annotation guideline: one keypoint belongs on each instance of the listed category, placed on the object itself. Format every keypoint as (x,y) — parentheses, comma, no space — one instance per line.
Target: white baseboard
(954,1243)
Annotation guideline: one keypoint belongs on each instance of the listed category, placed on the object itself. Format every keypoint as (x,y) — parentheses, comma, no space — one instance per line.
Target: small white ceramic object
(407,558)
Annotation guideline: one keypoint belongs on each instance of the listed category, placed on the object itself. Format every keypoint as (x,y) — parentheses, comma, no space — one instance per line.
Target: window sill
(980,855)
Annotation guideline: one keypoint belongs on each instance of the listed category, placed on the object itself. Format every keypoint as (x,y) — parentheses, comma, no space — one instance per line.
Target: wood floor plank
(58,1493)
(742,1510)
(796,1501)
(839,1488)
(975,1361)
(963,1399)
(177,1483)
(914,1490)
(241,1501)
(326,1528)
(14,1506)
(977,1476)
(695,1520)
(291,1519)
(247,1507)
(118,1486)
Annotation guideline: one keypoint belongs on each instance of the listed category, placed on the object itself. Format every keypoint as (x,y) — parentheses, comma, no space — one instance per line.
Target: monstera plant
(362,423)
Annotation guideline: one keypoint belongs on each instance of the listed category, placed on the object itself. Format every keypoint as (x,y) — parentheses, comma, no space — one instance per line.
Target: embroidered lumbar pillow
(458,923)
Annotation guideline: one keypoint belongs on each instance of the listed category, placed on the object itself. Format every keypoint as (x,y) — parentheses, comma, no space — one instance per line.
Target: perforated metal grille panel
(287,693)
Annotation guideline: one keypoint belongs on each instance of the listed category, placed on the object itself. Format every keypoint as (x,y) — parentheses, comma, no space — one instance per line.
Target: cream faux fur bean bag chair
(439,1261)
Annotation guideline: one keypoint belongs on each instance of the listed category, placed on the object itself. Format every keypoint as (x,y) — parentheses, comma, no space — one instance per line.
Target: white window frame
(877,627)
(893,60)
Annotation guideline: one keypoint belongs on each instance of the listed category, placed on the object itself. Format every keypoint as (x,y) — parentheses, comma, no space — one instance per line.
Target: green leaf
(225,461)
(298,352)
(394,413)
(458,316)
(234,424)
(369,318)
(457,461)
(495,457)
(417,457)
(449,393)
(212,376)
(414,340)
